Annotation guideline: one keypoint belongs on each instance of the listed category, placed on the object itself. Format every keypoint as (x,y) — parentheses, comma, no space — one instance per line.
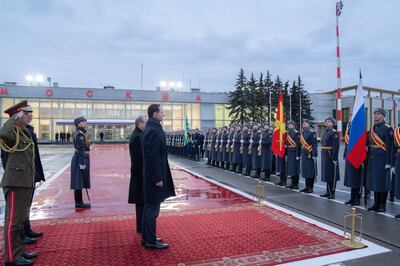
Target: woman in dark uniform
(80,163)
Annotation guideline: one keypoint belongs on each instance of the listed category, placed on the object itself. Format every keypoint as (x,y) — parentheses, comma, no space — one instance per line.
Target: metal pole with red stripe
(339,7)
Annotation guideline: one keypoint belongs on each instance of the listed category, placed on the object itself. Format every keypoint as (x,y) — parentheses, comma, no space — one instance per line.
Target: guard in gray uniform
(329,158)
(207,145)
(266,153)
(380,148)
(214,136)
(246,145)
(396,168)
(220,149)
(255,151)
(237,160)
(309,154)
(352,176)
(225,149)
(293,153)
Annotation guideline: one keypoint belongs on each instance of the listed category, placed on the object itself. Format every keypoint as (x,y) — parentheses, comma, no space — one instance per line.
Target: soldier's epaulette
(334,130)
(388,125)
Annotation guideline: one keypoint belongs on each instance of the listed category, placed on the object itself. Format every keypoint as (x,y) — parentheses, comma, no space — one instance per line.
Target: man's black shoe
(355,203)
(350,201)
(158,239)
(29,240)
(83,205)
(19,261)
(331,196)
(29,255)
(380,209)
(372,208)
(157,245)
(303,190)
(34,234)
(308,191)
(325,195)
(391,198)
(397,216)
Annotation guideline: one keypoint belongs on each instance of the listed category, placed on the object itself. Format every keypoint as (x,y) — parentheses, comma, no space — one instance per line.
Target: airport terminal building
(112,111)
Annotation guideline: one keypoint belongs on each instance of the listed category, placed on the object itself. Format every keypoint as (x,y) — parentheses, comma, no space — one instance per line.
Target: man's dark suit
(136,183)
(156,168)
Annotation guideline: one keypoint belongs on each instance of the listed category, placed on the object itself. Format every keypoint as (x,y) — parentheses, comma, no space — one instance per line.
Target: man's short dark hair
(155,107)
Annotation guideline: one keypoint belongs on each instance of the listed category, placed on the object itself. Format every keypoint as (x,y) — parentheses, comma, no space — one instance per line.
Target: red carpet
(205,224)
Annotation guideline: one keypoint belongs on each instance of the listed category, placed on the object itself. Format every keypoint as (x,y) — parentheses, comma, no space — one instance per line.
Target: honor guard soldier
(293,152)
(247,137)
(266,153)
(237,161)
(353,177)
(225,149)
(18,182)
(329,158)
(208,146)
(396,168)
(80,163)
(309,154)
(231,146)
(380,148)
(214,146)
(255,151)
(219,148)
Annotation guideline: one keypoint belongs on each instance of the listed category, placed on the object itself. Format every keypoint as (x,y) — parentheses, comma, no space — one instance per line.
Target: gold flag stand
(259,192)
(351,239)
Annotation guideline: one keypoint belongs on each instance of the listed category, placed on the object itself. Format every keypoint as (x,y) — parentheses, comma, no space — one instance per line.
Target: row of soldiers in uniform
(191,148)
(242,149)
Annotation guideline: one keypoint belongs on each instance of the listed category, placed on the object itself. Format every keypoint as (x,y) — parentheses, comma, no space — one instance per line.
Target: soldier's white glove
(251,141)
(335,163)
(394,170)
(387,166)
(315,158)
(82,167)
(241,141)
(298,158)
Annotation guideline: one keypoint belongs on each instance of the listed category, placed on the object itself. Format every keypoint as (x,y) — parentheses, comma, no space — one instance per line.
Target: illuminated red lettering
(128,95)
(89,93)
(198,98)
(49,92)
(3,91)
(165,96)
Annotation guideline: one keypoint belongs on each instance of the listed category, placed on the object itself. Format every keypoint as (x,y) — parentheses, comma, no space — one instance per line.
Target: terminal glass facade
(48,111)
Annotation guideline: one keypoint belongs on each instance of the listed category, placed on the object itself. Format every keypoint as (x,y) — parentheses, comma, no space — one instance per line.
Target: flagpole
(269,118)
(290,107)
(339,6)
(301,122)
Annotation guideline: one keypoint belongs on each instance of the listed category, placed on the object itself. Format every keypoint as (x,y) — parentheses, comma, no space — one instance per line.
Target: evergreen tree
(252,99)
(294,102)
(237,100)
(268,87)
(286,100)
(305,101)
(262,102)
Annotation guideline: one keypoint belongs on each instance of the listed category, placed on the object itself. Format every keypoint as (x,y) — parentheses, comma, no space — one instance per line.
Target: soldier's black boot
(227,166)
(240,169)
(357,197)
(310,185)
(222,165)
(397,216)
(382,199)
(331,191)
(79,201)
(326,194)
(375,206)
(234,166)
(248,170)
(351,200)
(267,175)
(208,161)
(295,182)
(258,173)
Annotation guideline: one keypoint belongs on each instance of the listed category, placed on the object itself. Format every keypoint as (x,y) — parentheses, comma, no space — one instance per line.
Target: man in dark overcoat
(80,163)
(329,158)
(380,148)
(136,183)
(157,178)
(309,155)
(293,151)
(396,165)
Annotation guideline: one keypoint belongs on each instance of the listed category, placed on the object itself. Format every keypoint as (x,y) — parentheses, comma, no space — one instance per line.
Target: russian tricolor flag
(356,148)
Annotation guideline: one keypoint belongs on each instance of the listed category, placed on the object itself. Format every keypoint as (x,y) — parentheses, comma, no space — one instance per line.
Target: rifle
(241,144)
(233,142)
(251,144)
(260,144)
(221,140)
(227,143)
